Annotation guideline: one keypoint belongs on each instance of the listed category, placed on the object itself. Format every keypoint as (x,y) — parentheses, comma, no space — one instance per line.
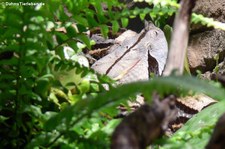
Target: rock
(221,67)
(205,43)
(211,8)
(203,47)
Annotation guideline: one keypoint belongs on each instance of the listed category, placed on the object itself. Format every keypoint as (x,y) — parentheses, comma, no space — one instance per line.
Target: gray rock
(205,43)
(203,47)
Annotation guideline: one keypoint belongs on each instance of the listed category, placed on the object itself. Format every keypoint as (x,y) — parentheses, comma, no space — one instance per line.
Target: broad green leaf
(59,51)
(85,40)
(124,22)
(168,33)
(104,30)
(102,19)
(125,13)
(84,86)
(197,131)
(91,21)
(81,28)
(3,118)
(61,38)
(165,85)
(67,76)
(142,16)
(74,46)
(71,31)
(115,26)
(136,11)
(81,20)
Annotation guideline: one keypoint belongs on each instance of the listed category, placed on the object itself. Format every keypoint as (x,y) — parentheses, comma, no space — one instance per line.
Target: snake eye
(154,34)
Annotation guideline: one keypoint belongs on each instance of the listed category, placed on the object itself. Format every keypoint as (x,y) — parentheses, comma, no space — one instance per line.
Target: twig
(179,40)
(142,127)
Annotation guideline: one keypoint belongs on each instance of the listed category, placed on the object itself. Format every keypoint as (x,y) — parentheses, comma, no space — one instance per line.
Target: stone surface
(205,43)
(203,47)
(211,8)
(221,67)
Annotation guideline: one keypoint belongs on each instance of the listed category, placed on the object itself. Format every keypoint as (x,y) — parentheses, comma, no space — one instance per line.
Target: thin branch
(179,40)
(142,127)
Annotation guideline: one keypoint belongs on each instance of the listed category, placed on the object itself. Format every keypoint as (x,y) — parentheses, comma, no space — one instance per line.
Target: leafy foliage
(49,97)
(207,21)
(165,8)
(33,66)
(197,131)
(71,117)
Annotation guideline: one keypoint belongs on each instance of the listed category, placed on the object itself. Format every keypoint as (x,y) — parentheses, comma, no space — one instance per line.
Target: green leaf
(168,33)
(61,38)
(91,21)
(85,40)
(73,45)
(142,16)
(136,11)
(71,31)
(197,131)
(115,26)
(81,20)
(84,86)
(3,118)
(102,19)
(125,13)
(104,30)
(124,22)
(81,28)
